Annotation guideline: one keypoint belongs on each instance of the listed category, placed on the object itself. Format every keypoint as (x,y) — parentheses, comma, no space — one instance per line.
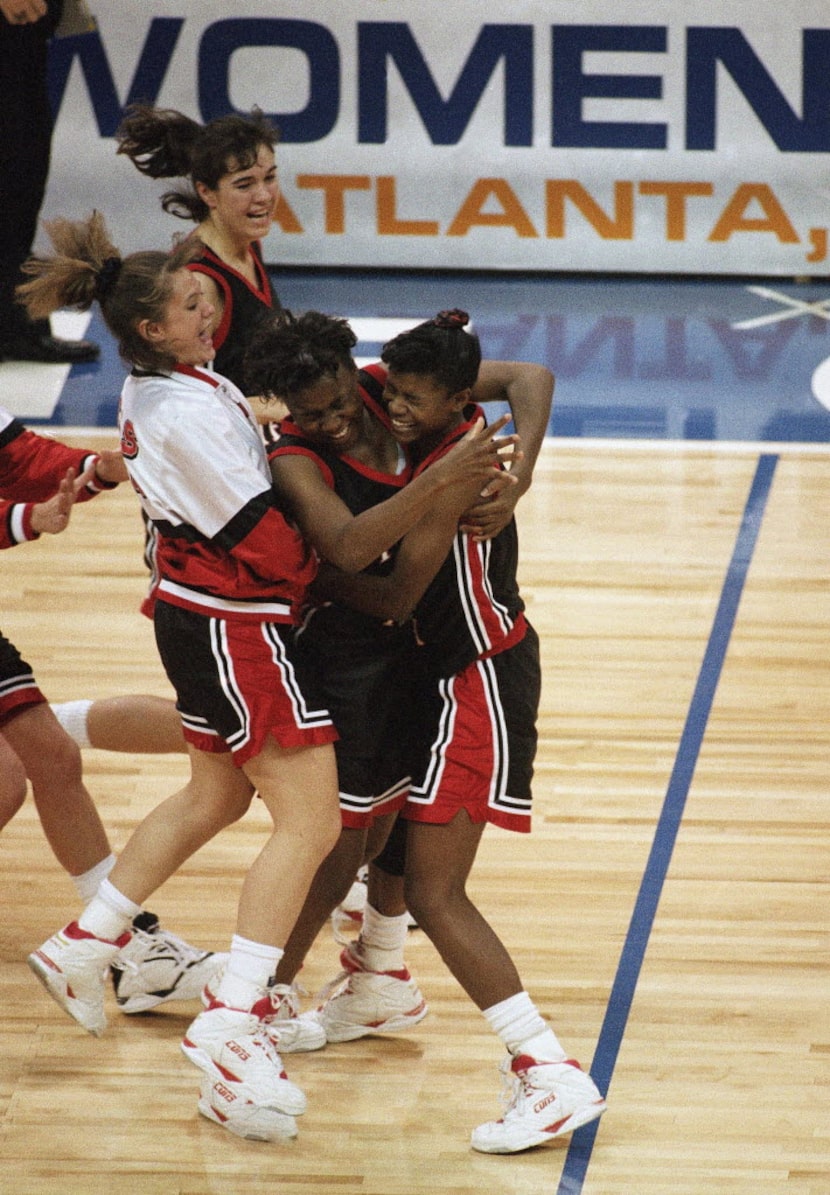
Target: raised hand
(52,517)
(478,457)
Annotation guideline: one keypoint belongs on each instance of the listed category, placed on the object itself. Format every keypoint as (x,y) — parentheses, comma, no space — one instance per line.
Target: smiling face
(331,411)
(183,333)
(243,202)
(420,409)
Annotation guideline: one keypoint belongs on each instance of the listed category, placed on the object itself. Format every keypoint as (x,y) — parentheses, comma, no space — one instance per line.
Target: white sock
(88,882)
(522,1030)
(109,913)
(382,939)
(250,968)
(72,716)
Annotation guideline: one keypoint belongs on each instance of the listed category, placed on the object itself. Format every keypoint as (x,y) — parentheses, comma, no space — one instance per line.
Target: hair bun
(456,318)
(107,277)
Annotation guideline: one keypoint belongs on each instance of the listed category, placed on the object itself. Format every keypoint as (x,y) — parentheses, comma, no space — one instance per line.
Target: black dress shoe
(43,346)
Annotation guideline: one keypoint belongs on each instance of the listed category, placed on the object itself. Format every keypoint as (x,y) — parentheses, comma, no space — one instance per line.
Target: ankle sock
(88,883)
(382,939)
(248,973)
(518,1024)
(109,914)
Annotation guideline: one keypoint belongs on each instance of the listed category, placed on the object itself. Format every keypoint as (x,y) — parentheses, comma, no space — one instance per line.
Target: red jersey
(31,470)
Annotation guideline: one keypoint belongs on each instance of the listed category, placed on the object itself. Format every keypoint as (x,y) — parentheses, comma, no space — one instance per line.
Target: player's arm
(352,542)
(528,390)
(419,557)
(24,521)
(32,466)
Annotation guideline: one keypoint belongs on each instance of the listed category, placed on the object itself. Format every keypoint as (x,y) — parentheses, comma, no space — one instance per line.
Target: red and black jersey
(243,307)
(472,607)
(31,469)
(362,664)
(358,485)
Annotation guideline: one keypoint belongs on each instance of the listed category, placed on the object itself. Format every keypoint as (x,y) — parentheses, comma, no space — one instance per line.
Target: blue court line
(642,919)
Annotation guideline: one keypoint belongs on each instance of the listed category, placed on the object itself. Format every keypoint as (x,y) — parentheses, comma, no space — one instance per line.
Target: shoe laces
(516,1087)
(264,1038)
(351,963)
(285,1002)
(156,944)
(334,986)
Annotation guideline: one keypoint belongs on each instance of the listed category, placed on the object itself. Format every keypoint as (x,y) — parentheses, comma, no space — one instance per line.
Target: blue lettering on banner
(571,86)
(707,47)
(445,120)
(221,39)
(88,47)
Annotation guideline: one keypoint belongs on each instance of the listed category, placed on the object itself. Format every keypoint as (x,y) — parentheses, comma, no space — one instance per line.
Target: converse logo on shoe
(540,1104)
(240,1051)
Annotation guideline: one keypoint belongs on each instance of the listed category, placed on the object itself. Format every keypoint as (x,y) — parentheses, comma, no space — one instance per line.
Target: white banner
(681,136)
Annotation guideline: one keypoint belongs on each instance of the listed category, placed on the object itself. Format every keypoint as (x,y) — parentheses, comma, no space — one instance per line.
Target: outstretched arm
(22,521)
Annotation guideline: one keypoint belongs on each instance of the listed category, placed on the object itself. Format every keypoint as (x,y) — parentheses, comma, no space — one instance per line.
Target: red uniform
(232,570)
(477,696)
(31,470)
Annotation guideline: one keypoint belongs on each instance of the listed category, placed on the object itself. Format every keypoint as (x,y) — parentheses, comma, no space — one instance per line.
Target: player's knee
(330,829)
(61,757)
(423,899)
(13,788)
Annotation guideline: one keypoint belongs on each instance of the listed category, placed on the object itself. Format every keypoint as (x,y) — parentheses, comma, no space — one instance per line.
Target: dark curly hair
(441,348)
(289,353)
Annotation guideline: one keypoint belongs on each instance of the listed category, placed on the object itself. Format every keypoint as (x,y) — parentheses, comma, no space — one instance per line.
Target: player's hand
(52,517)
(479,455)
(109,467)
(494,509)
(23,12)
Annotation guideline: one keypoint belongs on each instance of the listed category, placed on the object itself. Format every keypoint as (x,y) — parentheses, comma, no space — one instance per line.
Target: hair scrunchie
(456,318)
(107,277)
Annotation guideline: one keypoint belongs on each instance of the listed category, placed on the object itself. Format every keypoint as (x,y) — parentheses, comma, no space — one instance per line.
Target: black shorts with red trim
(238,682)
(475,740)
(18,687)
(363,669)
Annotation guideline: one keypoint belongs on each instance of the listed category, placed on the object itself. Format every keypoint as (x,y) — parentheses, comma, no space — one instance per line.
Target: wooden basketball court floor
(669,913)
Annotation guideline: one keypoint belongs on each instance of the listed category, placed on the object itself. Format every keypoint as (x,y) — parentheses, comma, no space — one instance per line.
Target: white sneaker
(547,1100)
(223,1105)
(360,1002)
(294,1032)
(72,965)
(233,1046)
(157,966)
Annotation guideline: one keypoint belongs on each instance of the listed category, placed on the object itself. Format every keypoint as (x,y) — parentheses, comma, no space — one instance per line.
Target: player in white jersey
(232,569)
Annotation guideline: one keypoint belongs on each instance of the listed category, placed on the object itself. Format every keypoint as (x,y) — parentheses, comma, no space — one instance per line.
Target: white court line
(377,329)
(591,444)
